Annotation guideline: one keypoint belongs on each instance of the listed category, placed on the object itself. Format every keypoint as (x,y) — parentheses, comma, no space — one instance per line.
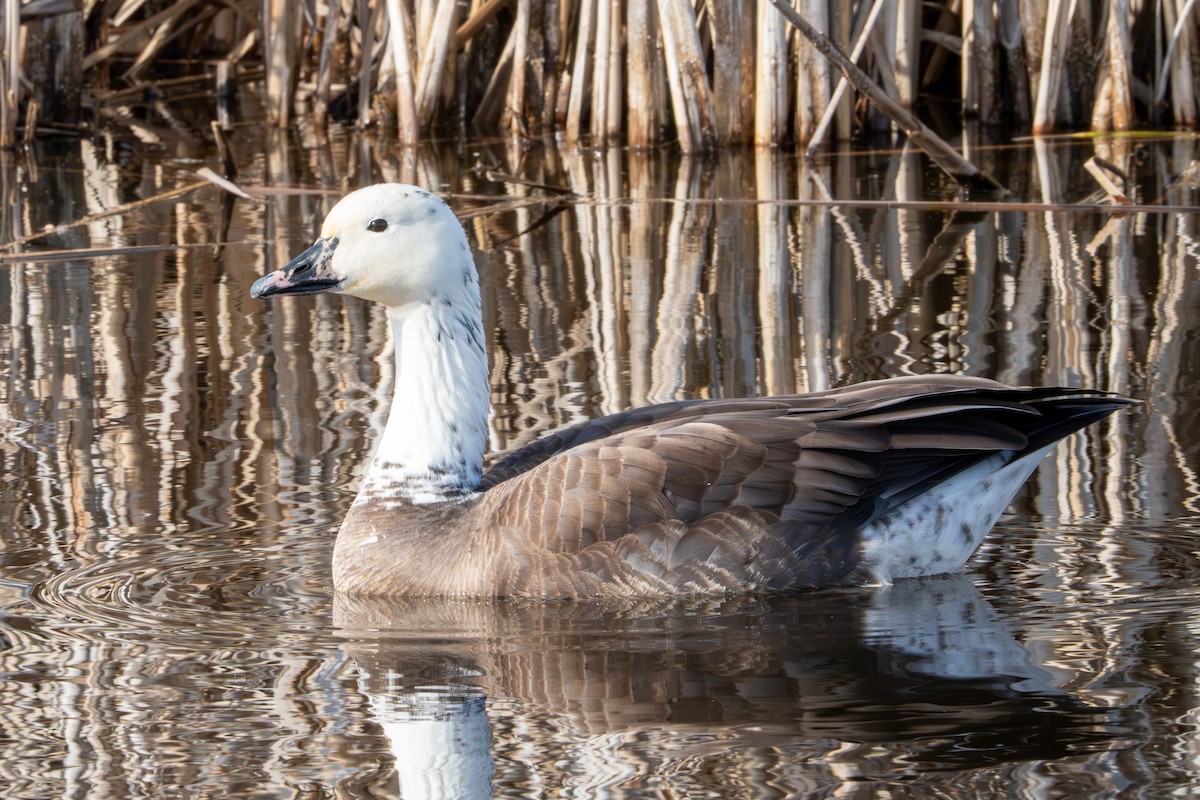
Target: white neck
(433,444)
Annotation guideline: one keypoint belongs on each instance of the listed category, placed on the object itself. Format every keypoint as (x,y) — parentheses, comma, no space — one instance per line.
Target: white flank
(940,529)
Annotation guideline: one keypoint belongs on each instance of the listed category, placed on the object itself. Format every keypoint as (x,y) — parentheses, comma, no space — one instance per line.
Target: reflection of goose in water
(815,693)
(868,483)
(438,733)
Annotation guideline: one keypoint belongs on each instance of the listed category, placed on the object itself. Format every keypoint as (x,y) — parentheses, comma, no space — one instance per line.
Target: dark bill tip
(310,272)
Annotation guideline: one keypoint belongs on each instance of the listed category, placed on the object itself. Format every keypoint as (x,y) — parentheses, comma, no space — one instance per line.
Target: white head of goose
(864,484)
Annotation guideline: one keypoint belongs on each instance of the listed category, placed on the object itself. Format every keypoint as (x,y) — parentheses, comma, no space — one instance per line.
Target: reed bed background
(632,72)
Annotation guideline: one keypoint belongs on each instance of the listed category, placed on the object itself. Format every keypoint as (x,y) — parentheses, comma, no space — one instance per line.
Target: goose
(864,484)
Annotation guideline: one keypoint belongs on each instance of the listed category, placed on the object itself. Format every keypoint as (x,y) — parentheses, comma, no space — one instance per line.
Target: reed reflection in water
(176,458)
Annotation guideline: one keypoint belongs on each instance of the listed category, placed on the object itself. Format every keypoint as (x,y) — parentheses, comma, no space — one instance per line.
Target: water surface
(176,458)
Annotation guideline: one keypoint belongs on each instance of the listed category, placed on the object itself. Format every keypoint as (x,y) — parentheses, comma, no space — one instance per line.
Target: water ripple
(211,592)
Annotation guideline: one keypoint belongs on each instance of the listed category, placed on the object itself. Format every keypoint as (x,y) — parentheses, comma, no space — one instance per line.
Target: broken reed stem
(162,34)
(226,92)
(1097,171)
(135,32)
(222,183)
(474,24)
(78,254)
(823,126)
(224,152)
(110,212)
(31,118)
(964,172)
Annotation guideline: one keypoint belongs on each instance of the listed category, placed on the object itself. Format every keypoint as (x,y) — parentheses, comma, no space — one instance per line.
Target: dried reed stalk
(691,97)
(280,42)
(552,65)
(169,29)
(580,69)
(642,73)
(1115,111)
(948,20)
(733,69)
(127,10)
(601,69)
(406,103)
(1053,65)
(1179,63)
(326,65)
(882,48)
(10,74)
(908,42)
(492,106)
(434,59)
(814,83)
(770,108)
(52,50)
(1010,34)
(979,63)
(535,71)
(1033,19)
(136,31)
(513,119)
(368,18)
(615,85)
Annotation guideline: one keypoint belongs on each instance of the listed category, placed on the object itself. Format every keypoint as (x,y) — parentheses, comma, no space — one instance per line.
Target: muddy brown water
(176,457)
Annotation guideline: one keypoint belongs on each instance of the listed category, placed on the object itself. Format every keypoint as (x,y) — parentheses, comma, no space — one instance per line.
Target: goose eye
(377,225)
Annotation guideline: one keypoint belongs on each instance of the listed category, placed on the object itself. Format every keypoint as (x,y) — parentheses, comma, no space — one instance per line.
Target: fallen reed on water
(634,72)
